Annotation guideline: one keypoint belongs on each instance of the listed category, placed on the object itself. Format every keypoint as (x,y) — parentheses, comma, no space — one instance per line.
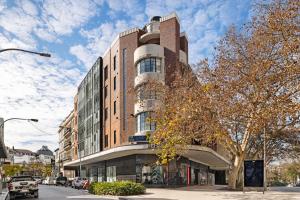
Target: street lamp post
(265,162)
(26,51)
(16,118)
(1,126)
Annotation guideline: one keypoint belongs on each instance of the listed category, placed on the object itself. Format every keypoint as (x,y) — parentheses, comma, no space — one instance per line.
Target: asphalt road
(61,193)
(190,193)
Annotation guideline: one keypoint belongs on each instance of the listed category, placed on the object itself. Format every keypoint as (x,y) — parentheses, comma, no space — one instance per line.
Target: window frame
(105,72)
(149,64)
(115,83)
(115,107)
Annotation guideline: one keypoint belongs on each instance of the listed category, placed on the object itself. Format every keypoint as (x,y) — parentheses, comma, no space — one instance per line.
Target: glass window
(115,107)
(115,136)
(115,83)
(115,62)
(105,92)
(144,94)
(105,72)
(144,122)
(106,141)
(106,113)
(111,173)
(152,174)
(152,64)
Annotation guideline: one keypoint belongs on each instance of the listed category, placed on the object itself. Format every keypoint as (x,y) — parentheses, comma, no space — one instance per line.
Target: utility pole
(265,163)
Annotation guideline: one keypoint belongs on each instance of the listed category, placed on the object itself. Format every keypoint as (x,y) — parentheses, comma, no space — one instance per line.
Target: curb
(4,195)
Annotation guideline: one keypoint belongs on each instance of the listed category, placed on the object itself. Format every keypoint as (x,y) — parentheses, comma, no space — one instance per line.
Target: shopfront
(142,168)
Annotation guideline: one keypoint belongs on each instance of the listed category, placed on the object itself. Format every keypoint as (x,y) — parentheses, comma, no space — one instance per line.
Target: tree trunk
(234,172)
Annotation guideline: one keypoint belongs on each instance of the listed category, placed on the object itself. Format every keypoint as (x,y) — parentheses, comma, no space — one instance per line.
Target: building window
(115,83)
(152,64)
(115,62)
(106,113)
(144,94)
(111,173)
(105,73)
(115,136)
(144,122)
(115,107)
(105,92)
(106,141)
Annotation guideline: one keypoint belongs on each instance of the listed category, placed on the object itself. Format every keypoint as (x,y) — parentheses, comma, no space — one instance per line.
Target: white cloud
(28,7)
(44,88)
(35,87)
(129,7)
(98,40)
(22,25)
(2,5)
(62,16)
(83,54)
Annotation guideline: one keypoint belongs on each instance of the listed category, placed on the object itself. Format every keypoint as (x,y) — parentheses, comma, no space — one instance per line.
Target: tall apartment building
(112,125)
(66,131)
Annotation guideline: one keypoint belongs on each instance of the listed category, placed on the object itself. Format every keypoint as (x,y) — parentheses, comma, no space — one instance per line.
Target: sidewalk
(4,194)
(196,193)
(211,193)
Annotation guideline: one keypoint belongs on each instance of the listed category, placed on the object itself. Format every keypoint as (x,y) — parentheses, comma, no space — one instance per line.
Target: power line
(45,133)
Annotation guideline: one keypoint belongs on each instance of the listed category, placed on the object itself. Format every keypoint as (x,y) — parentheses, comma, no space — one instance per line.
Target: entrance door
(196,171)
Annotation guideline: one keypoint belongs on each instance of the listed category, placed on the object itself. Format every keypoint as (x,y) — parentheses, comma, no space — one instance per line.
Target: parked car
(38,179)
(22,186)
(78,182)
(62,180)
(49,181)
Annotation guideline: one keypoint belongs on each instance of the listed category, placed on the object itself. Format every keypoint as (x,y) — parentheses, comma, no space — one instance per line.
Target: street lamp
(15,118)
(32,52)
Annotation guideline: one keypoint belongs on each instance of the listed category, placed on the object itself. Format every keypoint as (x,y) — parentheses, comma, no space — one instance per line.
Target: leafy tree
(252,87)
(292,171)
(47,170)
(12,170)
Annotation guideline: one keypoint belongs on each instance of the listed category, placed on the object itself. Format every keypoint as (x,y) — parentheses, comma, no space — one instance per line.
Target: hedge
(119,188)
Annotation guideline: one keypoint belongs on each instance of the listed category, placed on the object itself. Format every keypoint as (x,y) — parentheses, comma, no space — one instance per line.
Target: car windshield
(22,178)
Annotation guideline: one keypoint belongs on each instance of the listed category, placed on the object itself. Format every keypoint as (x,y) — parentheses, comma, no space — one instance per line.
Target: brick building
(112,125)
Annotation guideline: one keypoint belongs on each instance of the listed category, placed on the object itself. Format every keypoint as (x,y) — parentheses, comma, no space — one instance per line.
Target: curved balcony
(145,52)
(148,50)
(149,36)
(149,76)
(140,133)
(147,105)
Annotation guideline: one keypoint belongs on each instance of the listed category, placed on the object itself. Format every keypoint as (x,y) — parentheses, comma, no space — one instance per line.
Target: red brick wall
(170,40)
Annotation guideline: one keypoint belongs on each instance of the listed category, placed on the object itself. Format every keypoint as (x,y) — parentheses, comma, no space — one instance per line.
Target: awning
(195,153)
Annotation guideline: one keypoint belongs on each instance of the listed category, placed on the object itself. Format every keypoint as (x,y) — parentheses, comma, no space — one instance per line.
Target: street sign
(254,173)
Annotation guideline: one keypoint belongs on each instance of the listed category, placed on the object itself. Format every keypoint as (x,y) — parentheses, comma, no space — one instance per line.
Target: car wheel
(36,194)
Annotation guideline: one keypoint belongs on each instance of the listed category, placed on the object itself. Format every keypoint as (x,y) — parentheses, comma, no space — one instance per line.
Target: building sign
(138,138)
(254,173)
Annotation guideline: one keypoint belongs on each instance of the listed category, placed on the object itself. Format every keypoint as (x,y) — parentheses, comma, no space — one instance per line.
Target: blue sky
(76,32)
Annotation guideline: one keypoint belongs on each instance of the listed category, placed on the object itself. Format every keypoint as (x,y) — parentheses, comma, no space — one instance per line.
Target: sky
(76,33)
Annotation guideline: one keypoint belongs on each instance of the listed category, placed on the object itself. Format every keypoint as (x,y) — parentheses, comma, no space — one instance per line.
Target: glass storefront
(111,174)
(152,174)
(101,174)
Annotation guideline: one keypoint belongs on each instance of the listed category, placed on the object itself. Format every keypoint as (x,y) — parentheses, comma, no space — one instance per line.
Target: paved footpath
(191,193)
(187,193)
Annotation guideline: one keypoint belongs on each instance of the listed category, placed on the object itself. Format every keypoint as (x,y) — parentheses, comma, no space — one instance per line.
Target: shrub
(120,188)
